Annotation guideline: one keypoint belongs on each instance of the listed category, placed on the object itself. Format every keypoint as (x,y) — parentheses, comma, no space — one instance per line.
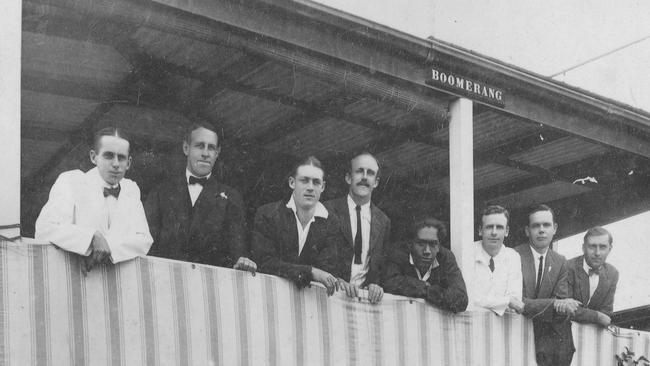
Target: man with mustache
(97,214)
(193,217)
(493,277)
(298,238)
(546,290)
(425,269)
(365,226)
(592,280)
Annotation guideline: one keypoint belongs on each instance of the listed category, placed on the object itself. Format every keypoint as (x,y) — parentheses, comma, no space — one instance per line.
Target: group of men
(344,244)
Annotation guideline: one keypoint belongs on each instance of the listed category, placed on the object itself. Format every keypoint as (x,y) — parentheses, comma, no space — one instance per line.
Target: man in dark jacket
(365,227)
(193,217)
(298,239)
(426,269)
(592,280)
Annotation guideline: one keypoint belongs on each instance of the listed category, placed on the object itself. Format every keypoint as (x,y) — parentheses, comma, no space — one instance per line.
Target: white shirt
(320,211)
(536,256)
(492,290)
(358,271)
(194,189)
(428,273)
(594,279)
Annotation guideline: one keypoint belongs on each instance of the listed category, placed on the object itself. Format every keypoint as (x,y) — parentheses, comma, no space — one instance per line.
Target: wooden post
(10,35)
(461,177)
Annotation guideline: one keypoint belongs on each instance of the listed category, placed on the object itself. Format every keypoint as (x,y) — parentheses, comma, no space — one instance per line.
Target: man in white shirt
(97,214)
(365,226)
(298,239)
(493,278)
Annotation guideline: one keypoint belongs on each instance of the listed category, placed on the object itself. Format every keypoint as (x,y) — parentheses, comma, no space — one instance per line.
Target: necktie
(195,180)
(357,238)
(115,192)
(491,264)
(540,270)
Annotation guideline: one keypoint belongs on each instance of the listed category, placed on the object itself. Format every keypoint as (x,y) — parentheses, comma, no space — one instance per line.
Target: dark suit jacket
(211,232)
(275,245)
(553,338)
(379,236)
(445,288)
(603,299)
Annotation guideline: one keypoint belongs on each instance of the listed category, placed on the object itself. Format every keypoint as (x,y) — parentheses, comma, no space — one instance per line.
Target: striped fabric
(153,311)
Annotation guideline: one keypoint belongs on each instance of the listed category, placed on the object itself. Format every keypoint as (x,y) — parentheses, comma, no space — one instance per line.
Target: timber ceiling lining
(490,175)
(545,193)
(559,152)
(245,115)
(324,138)
(413,158)
(196,55)
(71,60)
(383,113)
(54,111)
(156,125)
(283,80)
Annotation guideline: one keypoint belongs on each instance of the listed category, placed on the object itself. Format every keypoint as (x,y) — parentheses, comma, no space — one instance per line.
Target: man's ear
(348,178)
(128,163)
(322,189)
(186,148)
(93,156)
(217,152)
(292,182)
(527,231)
(480,231)
(507,231)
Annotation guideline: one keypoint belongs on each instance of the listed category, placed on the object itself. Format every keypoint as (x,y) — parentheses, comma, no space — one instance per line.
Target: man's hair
(201,123)
(540,208)
(310,160)
(495,210)
(109,131)
(429,221)
(364,153)
(598,231)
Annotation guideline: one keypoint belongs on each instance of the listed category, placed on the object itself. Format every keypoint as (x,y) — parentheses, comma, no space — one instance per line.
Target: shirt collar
(320,210)
(352,206)
(188,175)
(585,266)
(536,253)
(482,256)
(98,180)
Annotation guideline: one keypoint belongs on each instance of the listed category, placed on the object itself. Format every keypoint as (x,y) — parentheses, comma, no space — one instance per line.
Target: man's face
(363,177)
(112,158)
(494,229)
(307,185)
(596,250)
(201,152)
(541,229)
(425,247)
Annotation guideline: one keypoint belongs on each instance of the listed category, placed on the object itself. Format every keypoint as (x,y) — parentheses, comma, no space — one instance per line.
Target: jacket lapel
(180,202)
(374,229)
(582,281)
(551,267)
(603,282)
(204,203)
(529,275)
(290,232)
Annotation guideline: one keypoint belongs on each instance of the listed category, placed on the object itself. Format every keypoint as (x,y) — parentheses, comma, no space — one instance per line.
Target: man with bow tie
(97,214)
(193,217)
(592,280)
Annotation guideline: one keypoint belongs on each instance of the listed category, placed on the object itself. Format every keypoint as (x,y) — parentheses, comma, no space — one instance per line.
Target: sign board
(471,88)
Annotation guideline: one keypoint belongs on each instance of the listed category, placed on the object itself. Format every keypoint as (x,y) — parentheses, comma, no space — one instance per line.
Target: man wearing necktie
(365,226)
(97,214)
(493,277)
(423,268)
(192,216)
(592,280)
(545,290)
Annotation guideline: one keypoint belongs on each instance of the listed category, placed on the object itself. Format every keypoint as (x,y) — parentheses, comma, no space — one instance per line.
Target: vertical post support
(10,36)
(461,177)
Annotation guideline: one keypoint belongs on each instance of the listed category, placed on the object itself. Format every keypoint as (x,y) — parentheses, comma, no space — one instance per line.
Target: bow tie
(593,271)
(115,192)
(195,180)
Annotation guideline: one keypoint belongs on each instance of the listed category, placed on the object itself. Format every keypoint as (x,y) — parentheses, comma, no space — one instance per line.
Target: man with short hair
(298,239)
(97,214)
(545,290)
(493,277)
(193,216)
(426,269)
(365,227)
(592,280)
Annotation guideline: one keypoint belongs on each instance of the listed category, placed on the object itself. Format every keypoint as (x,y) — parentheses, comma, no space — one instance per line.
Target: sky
(545,37)
(548,37)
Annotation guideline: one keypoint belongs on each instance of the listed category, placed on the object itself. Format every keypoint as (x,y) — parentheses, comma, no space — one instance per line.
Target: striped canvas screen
(153,311)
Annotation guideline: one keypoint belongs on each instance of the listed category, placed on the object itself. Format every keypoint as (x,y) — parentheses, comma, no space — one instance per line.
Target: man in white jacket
(97,214)
(493,277)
